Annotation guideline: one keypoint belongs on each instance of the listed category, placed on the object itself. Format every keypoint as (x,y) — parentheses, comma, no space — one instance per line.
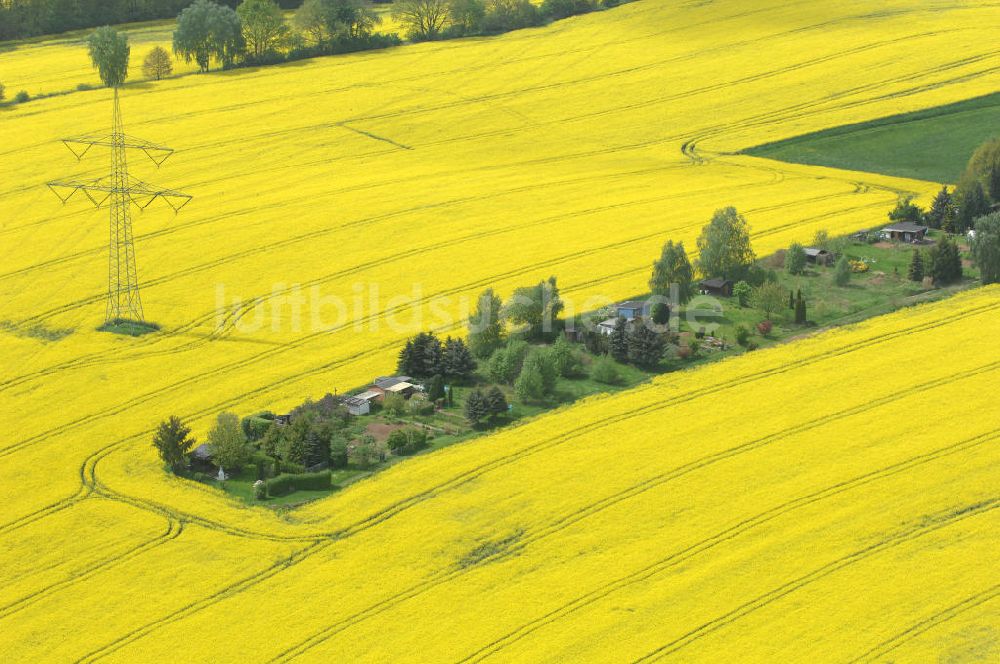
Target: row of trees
(256,32)
(426,356)
(28,18)
(443,19)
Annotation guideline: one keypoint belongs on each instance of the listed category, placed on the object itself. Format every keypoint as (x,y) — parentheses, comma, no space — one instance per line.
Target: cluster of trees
(636,342)
(724,251)
(407,441)
(316,435)
(444,19)
(426,356)
(255,32)
(957,210)
(942,263)
(533,371)
(482,406)
(536,308)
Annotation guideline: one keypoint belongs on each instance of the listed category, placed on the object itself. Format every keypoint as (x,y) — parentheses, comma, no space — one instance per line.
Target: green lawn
(933,144)
(241,486)
(884,288)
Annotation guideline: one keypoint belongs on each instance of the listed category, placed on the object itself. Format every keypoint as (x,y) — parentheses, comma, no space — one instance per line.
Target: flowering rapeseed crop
(825,500)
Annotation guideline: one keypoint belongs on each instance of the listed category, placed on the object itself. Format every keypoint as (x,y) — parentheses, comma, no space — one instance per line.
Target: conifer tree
(916,272)
(941,209)
(618,343)
(645,347)
(476,409)
(800,309)
(945,262)
(173,442)
(496,402)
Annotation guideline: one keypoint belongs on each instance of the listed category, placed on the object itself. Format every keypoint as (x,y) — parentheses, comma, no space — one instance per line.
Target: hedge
(289,482)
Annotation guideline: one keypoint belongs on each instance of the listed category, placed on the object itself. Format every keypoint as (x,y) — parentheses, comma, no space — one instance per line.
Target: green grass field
(933,144)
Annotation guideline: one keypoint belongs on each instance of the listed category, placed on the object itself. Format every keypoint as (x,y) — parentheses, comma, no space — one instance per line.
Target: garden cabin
(716,286)
(818,256)
(356,405)
(392,385)
(201,458)
(632,309)
(607,327)
(905,231)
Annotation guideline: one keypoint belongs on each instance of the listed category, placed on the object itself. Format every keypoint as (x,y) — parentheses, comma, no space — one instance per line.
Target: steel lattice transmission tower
(119,191)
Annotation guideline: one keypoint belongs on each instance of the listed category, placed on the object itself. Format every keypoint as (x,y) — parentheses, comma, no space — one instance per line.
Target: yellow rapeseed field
(828,500)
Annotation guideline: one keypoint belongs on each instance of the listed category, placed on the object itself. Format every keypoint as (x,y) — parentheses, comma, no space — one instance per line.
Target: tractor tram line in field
(571,112)
(929,623)
(267,354)
(558,525)
(748,524)
(93,484)
(955,517)
(228,325)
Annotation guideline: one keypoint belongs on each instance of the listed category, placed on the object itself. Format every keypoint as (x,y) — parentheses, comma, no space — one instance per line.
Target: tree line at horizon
(256,32)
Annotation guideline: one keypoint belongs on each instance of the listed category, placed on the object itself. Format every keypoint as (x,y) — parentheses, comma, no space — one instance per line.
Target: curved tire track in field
(631,492)
(308,338)
(558,525)
(723,536)
(193,607)
(90,480)
(228,325)
(843,562)
(88,468)
(174,529)
(929,623)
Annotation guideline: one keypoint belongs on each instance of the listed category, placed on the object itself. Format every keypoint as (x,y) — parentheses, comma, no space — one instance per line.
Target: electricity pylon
(118,190)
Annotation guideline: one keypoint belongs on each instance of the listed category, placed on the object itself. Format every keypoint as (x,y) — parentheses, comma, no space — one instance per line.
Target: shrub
(742,292)
(290,482)
(558,9)
(605,371)
(260,490)
(22,97)
(842,275)
(407,441)
(795,259)
(764,327)
(742,335)
(536,379)
(418,406)
(255,426)
(394,404)
(565,358)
